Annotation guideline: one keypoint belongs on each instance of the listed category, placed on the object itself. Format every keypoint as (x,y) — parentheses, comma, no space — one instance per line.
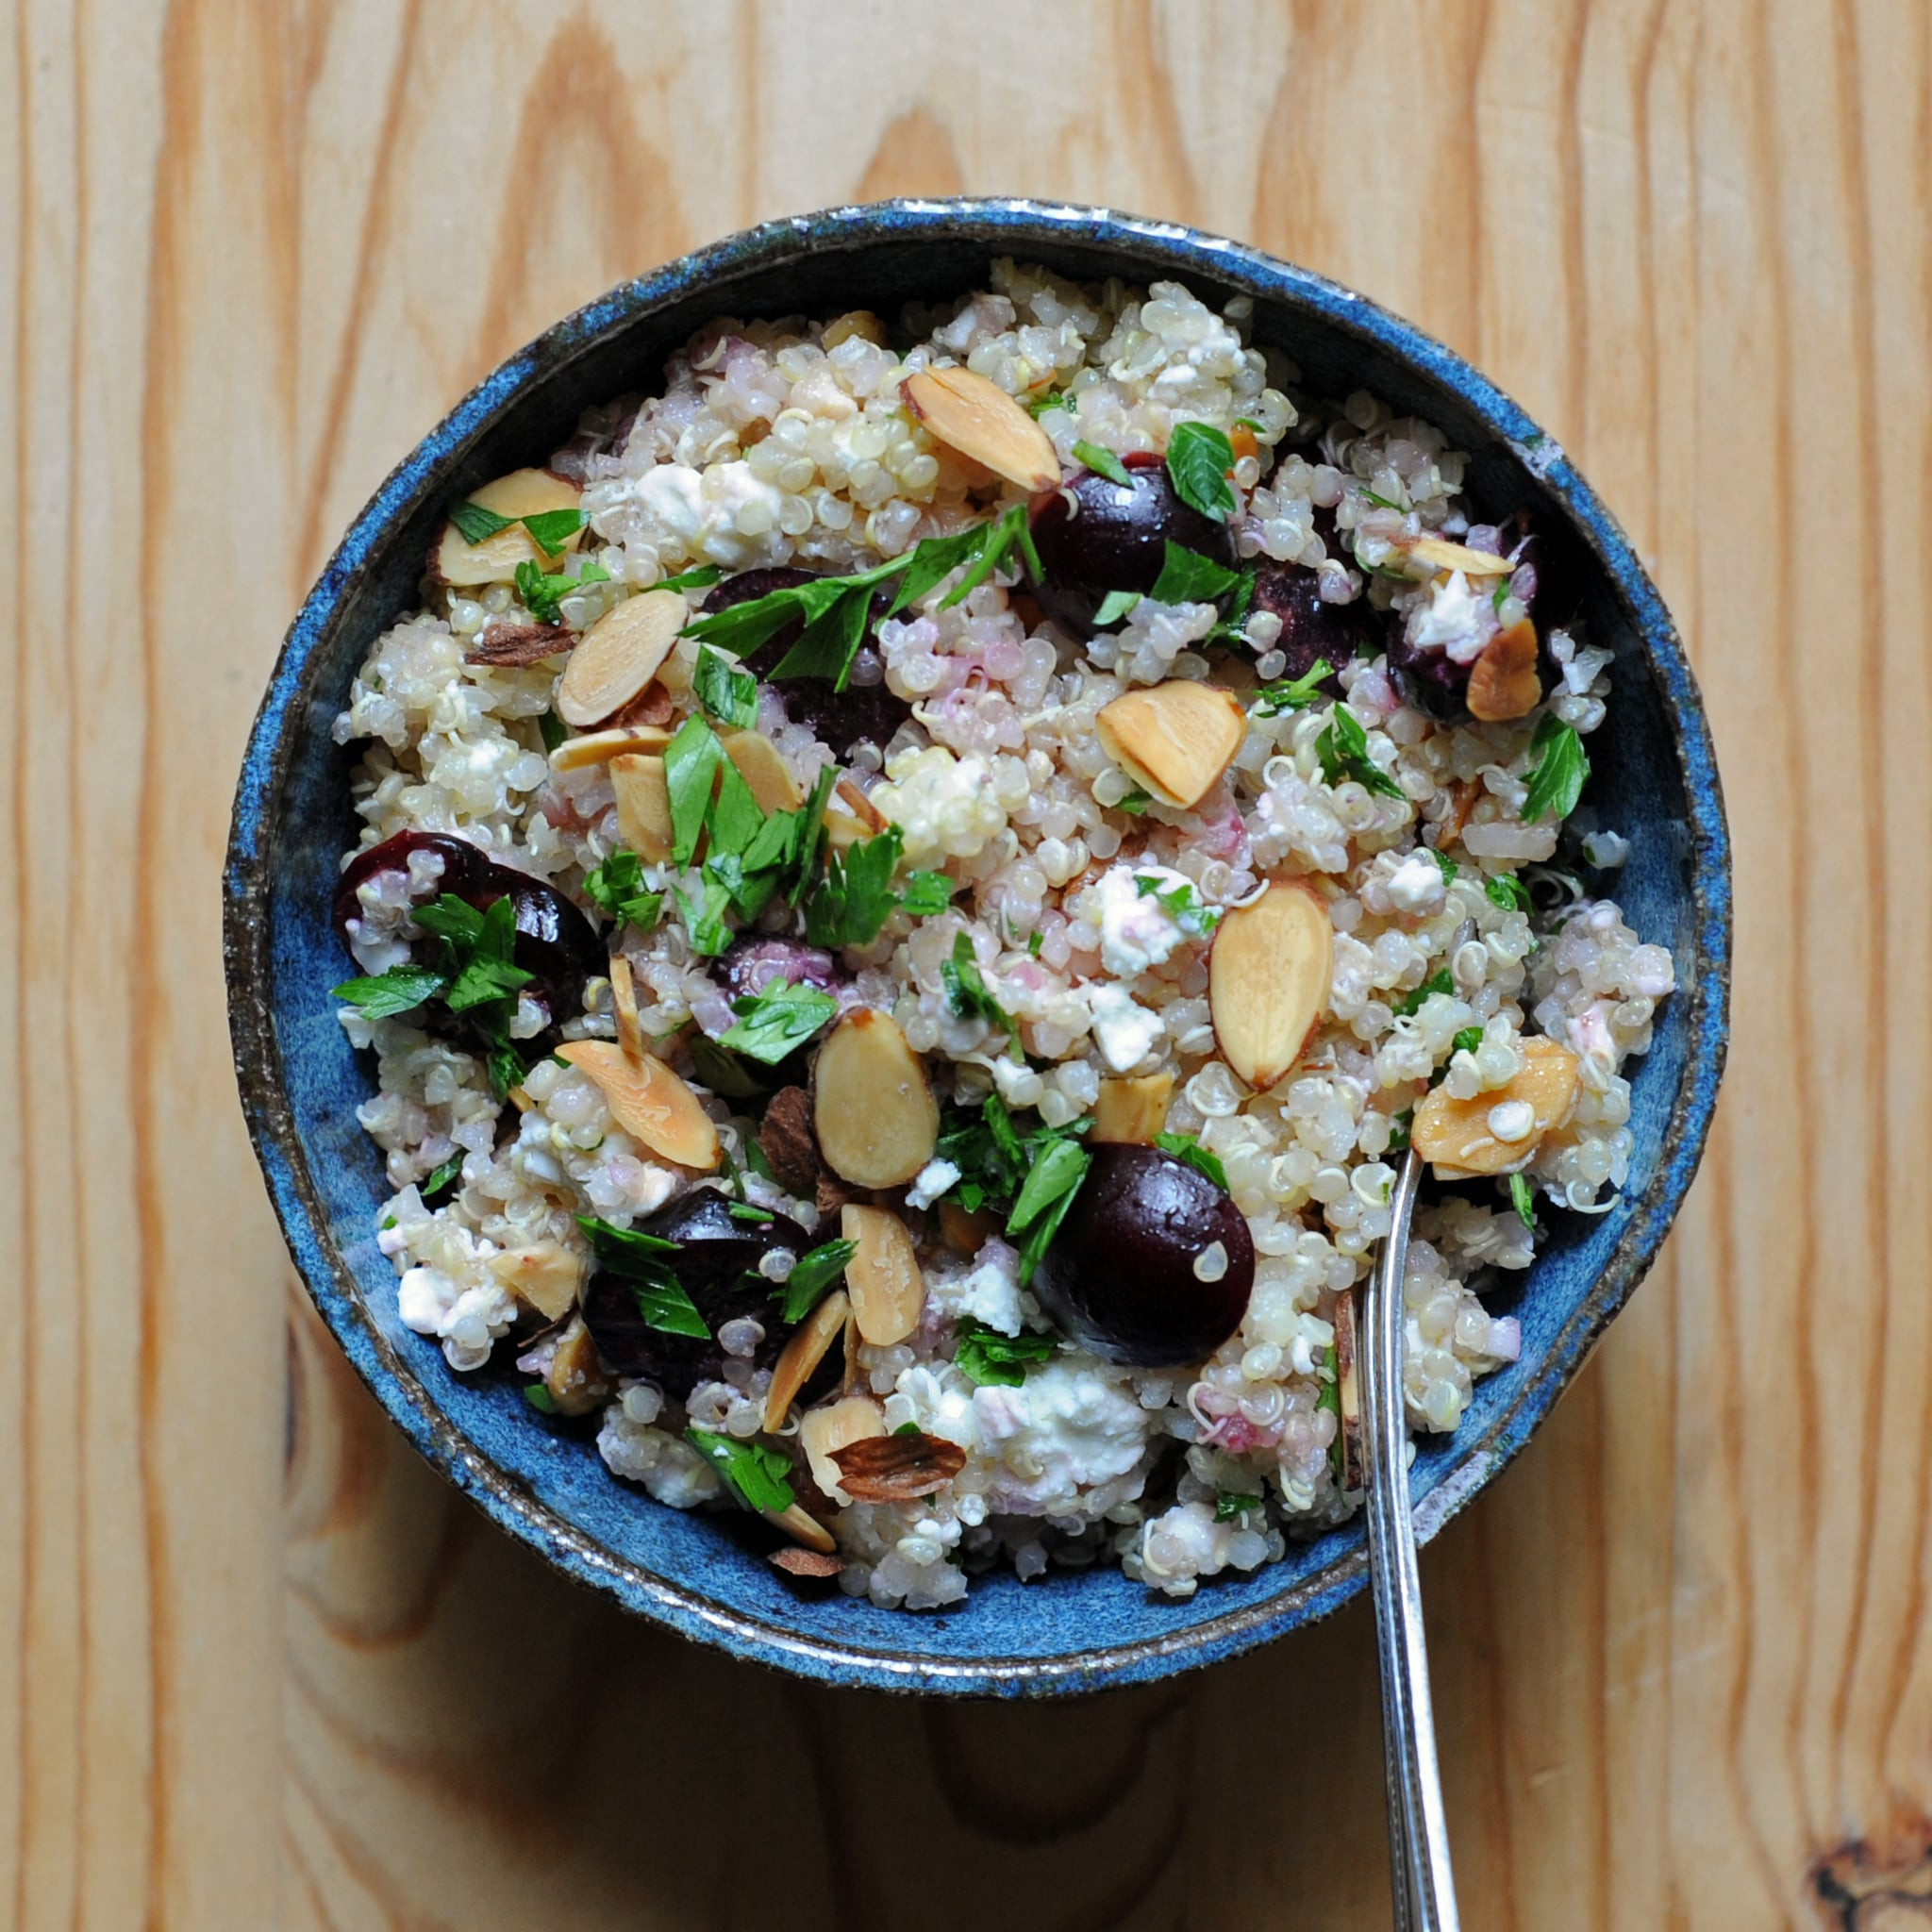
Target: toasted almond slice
(872,1105)
(766,774)
(861,323)
(624,1003)
(1173,739)
(896,1467)
(803,1354)
(1132,1112)
(1438,553)
(976,417)
(522,493)
(888,1289)
(1268,973)
(600,747)
(620,653)
(1459,1135)
(544,1274)
(576,1377)
(799,1562)
(1348,1397)
(648,1100)
(965,1233)
(643,805)
(1503,681)
(837,1425)
(517,646)
(862,808)
(801,1527)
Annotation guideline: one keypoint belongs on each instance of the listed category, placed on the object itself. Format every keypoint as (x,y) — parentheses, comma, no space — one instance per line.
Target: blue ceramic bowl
(300,1082)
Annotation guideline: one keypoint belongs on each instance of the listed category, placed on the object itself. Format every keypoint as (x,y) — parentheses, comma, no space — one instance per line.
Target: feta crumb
(1137,931)
(1124,1031)
(1416,885)
(989,1291)
(932,1180)
(1457,619)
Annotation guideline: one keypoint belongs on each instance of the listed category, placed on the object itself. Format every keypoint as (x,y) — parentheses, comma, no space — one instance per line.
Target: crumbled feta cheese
(725,514)
(1457,619)
(1125,1032)
(989,1291)
(451,1292)
(1416,885)
(671,1470)
(1072,1423)
(1137,931)
(945,807)
(932,1180)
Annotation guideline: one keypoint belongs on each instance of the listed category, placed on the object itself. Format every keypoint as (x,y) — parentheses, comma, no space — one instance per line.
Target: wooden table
(250,252)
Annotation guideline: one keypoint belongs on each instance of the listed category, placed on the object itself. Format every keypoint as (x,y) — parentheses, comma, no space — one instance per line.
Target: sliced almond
(896,1467)
(624,1003)
(804,1353)
(1503,682)
(860,806)
(1131,1112)
(802,1562)
(1438,553)
(888,1289)
(522,493)
(576,1379)
(871,1107)
(1353,1467)
(600,747)
(766,774)
(516,646)
(1268,974)
(648,1100)
(643,805)
(1173,739)
(1454,1136)
(861,323)
(544,1274)
(837,1425)
(620,653)
(801,1527)
(976,417)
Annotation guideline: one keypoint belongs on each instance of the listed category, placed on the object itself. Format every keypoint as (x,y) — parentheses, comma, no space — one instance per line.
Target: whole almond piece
(648,1100)
(544,1274)
(1131,1112)
(620,653)
(766,774)
(976,417)
(575,1378)
(896,1467)
(1503,682)
(803,1354)
(887,1291)
(1458,1138)
(1268,973)
(1438,553)
(802,1562)
(837,1425)
(643,805)
(872,1105)
(522,493)
(1348,1397)
(600,747)
(1173,739)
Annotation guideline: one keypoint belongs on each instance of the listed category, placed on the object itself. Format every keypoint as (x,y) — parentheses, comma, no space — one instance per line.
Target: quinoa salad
(917,883)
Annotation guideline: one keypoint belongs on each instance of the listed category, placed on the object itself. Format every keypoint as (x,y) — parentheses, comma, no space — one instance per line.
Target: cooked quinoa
(991,945)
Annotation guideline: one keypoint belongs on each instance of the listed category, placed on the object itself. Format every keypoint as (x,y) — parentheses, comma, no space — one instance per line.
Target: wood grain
(262,1669)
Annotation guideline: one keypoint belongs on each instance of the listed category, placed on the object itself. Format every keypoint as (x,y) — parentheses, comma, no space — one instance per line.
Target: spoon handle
(1418,1832)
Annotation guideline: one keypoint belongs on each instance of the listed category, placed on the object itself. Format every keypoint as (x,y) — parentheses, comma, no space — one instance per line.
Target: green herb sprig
(1198,459)
(779,1021)
(759,1476)
(991,1361)
(1344,749)
(1557,782)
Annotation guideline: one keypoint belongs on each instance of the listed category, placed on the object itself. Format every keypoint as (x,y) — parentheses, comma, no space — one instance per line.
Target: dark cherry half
(840,718)
(716,1254)
(1312,629)
(1120,1275)
(1116,540)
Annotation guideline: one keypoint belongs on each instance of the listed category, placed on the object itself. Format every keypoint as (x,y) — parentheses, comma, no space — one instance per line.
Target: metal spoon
(1418,1832)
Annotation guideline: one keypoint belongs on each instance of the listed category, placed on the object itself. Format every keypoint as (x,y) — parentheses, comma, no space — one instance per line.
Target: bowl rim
(1010,223)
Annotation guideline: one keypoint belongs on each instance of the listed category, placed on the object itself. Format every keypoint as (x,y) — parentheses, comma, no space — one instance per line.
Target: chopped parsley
(1297,693)
(756,1473)
(926,893)
(1344,749)
(813,1273)
(1508,892)
(551,530)
(703,917)
(992,1156)
(1189,1148)
(1556,782)
(442,1177)
(661,1299)
(1468,1040)
(850,907)
(1412,1003)
(1380,502)
(699,577)
(1103,463)
(967,995)
(1135,802)
(398,990)
(1047,1192)
(748,1210)
(1113,606)
(551,729)
(1052,399)
(475,524)
(729,695)
(1198,459)
(1188,577)
(1398,1130)
(542,593)
(1034,942)
(1232,1505)
(616,887)
(1181,904)
(779,1021)
(1444,864)
(991,1361)
(1523,1198)
(540,1398)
